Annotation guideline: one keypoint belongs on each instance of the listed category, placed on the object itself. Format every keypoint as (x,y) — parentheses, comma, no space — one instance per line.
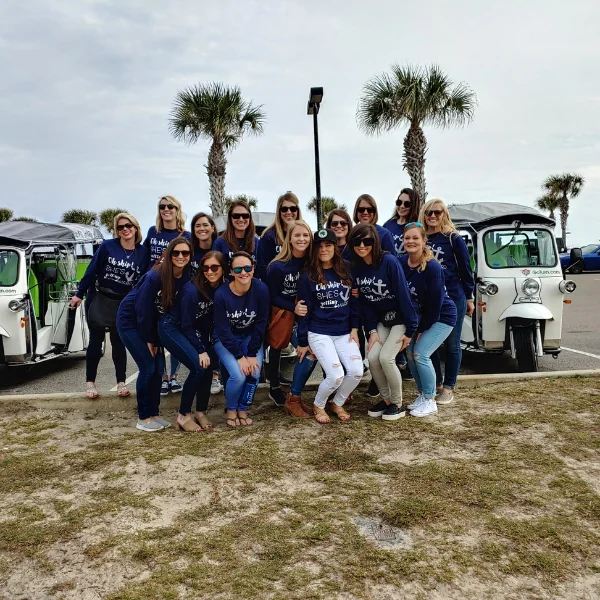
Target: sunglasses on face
(213,268)
(366,241)
(366,209)
(339,224)
(125,226)
(184,253)
(431,213)
(238,270)
(237,216)
(405,203)
(284,209)
(165,206)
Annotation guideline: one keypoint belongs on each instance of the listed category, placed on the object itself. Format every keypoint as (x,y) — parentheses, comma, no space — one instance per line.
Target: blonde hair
(286,249)
(427,253)
(133,220)
(447,226)
(179,218)
(278,222)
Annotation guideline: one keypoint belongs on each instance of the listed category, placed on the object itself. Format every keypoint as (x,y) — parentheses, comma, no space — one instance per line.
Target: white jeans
(332,353)
(382,362)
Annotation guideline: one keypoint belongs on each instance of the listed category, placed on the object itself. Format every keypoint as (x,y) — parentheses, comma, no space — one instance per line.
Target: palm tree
(81,216)
(414,96)
(5,214)
(107,218)
(218,113)
(548,202)
(564,187)
(328,203)
(250,200)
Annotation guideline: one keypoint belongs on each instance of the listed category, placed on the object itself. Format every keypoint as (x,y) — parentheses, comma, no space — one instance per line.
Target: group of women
(387,292)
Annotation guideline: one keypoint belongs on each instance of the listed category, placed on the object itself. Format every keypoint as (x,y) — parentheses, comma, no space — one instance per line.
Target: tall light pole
(314,102)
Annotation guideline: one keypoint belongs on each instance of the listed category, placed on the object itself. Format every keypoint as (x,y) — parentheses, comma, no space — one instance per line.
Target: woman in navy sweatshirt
(282,279)
(365,211)
(204,234)
(426,283)
(406,211)
(185,332)
(170,223)
(387,313)
(451,251)
(115,268)
(137,321)
(271,241)
(241,310)
(339,221)
(330,327)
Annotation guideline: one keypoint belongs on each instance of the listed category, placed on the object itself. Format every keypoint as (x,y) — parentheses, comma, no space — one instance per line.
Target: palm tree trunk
(413,159)
(564,215)
(216,169)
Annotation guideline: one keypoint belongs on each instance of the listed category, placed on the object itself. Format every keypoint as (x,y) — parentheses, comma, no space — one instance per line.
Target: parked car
(586,258)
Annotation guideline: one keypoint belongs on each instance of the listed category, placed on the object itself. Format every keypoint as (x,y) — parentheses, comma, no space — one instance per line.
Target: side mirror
(50,275)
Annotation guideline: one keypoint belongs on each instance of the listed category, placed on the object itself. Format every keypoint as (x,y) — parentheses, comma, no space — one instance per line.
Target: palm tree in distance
(328,203)
(80,216)
(107,218)
(414,96)
(218,113)
(6,214)
(250,200)
(564,187)
(548,202)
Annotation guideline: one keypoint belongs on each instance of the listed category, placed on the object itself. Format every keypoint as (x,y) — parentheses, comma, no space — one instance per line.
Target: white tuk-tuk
(40,267)
(520,287)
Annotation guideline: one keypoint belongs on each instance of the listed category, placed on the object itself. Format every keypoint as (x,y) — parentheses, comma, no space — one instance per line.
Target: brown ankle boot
(293,406)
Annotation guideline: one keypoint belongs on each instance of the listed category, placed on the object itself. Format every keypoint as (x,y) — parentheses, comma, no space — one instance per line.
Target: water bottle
(248,391)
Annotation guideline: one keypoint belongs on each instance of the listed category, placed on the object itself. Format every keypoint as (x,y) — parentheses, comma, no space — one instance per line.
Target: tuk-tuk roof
(483,214)
(25,233)
(261,221)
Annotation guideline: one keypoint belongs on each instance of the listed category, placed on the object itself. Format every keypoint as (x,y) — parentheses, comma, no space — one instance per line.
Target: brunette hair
(286,250)
(338,212)
(367,198)
(179,218)
(415,205)
(314,268)
(448,226)
(200,280)
(242,254)
(427,253)
(277,224)
(229,234)
(359,232)
(194,239)
(165,268)
(133,221)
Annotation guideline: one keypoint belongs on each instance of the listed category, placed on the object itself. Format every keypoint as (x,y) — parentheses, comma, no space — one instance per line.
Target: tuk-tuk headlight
(567,287)
(489,288)
(530,287)
(17,304)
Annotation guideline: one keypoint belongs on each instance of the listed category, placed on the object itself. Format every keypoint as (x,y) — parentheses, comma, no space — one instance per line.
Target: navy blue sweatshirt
(282,280)
(452,253)
(114,268)
(384,296)
(429,291)
(195,262)
(332,310)
(268,249)
(397,232)
(157,241)
(346,252)
(237,317)
(197,316)
(385,239)
(221,245)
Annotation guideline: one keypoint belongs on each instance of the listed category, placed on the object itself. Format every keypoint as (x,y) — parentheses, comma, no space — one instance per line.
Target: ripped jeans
(332,353)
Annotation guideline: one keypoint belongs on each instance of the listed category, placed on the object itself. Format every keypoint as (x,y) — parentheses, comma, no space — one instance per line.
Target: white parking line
(134,376)
(582,352)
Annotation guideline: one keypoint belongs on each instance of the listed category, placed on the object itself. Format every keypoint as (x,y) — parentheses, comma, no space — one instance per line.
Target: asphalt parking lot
(581,350)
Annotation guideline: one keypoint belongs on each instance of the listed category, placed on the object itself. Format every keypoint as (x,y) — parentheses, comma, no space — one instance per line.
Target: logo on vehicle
(525,271)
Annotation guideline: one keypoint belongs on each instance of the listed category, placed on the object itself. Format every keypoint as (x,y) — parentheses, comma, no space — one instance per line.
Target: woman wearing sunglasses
(282,279)
(156,294)
(113,271)
(365,211)
(240,233)
(450,249)
(406,211)
(271,241)
(387,313)
(241,310)
(340,223)
(204,234)
(425,278)
(330,327)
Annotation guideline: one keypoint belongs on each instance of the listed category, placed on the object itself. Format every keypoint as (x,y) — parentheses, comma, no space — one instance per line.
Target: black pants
(94,354)
(274,369)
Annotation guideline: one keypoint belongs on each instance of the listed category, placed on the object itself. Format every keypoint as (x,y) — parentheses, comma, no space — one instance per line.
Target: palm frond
(564,185)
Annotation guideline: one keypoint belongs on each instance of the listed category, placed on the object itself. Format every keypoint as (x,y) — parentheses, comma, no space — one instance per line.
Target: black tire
(525,347)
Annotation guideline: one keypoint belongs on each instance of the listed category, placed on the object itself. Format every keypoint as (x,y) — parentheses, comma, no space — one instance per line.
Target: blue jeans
(419,354)
(236,379)
(302,372)
(453,350)
(198,381)
(147,385)
(163,365)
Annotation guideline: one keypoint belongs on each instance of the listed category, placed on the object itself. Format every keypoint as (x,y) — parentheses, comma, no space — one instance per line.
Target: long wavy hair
(446,222)
(213,235)
(415,205)
(364,230)
(314,268)
(133,221)
(200,280)
(367,198)
(277,224)
(165,268)
(229,234)
(427,253)
(287,250)
(179,218)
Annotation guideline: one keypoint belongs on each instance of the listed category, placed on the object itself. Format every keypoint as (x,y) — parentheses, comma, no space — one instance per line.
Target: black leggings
(94,354)
(274,369)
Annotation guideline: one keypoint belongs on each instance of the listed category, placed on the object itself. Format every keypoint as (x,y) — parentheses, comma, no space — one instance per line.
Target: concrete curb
(113,402)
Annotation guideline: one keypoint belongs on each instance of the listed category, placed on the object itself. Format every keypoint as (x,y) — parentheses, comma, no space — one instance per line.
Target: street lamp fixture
(314,103)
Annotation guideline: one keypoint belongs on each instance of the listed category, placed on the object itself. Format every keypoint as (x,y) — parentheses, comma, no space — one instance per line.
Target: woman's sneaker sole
(375,413)
(395,416)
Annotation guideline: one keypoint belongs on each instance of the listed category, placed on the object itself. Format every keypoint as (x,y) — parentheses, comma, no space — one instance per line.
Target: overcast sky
(86,87)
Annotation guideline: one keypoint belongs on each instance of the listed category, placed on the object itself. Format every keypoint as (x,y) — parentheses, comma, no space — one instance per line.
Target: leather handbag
(279,331)
(102,313)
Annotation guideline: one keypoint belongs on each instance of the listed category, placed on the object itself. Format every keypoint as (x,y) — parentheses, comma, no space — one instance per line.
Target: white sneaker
(215,386)
(425,409)
(419,400)
(445,397)
(289,352)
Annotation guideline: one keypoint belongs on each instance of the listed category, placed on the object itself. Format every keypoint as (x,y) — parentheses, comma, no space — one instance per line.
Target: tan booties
(293,406)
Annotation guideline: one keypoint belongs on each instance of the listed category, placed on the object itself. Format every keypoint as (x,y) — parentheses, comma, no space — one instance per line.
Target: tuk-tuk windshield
(9,268)
(509,248)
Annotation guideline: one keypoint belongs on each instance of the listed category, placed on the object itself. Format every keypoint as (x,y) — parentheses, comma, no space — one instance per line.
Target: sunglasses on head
(213,268)
(366,241)
(237,216)
(184,253)
(416,223)
(238,270)
(436,213)
(165,206)
(366,209)
(405,203)
(285,209)
(339,224)
(125,226)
